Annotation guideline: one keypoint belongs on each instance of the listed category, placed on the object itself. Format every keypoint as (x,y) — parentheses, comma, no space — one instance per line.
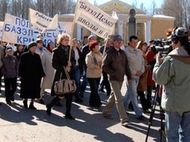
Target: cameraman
(174,74)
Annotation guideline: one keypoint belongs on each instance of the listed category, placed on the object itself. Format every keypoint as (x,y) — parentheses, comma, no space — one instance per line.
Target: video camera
(162,46)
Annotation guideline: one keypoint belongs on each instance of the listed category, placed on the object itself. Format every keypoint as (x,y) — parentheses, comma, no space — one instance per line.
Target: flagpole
(104,51)
(114,15)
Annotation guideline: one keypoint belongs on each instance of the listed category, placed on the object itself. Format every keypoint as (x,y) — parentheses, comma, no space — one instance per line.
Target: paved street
(23,125)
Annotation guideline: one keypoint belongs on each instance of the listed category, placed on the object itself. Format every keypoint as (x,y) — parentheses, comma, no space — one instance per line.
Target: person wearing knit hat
(115,64)
(31,72)
(94,70)
(39,38)
(9,48)
(93,45)
(9,71)
(32,44)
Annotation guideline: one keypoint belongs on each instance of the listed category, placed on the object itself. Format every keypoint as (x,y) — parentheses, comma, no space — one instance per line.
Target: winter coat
(115,64)
(9,68)
(46,59)
(85,51)
(31,73)
(150,57)
(174,74)
(136,60)
(94,65)
(60,60)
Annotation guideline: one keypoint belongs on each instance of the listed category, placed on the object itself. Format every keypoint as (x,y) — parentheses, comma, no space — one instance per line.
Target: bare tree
(49,7)
(154,7)
(3,8)
(142,7)
(186,14)
(176,9)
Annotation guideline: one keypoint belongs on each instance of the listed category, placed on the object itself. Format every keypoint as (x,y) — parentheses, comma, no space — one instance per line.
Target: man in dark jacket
(115,64)
(31,73)
(105,82)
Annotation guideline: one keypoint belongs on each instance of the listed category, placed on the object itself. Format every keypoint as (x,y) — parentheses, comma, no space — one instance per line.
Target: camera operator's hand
(159,58)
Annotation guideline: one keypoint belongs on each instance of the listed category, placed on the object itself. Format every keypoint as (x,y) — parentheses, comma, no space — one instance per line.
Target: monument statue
(132,23)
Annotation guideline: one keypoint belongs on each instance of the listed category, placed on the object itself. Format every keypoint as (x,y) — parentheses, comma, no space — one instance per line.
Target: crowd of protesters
(39,67)
(103,68)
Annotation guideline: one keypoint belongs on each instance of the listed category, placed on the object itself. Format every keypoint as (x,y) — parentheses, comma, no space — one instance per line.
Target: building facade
(147,27)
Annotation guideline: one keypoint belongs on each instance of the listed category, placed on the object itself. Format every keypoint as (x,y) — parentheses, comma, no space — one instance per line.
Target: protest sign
(39,20)
(1,29)
(17,30)
(65,27)
(94,19)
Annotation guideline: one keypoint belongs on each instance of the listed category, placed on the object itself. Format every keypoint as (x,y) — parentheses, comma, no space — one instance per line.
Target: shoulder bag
(64,86)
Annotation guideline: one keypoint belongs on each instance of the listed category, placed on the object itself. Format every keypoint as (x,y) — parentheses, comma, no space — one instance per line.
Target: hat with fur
(31,44)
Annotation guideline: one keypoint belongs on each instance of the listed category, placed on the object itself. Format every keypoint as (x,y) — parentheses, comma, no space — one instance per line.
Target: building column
(147,25)
(120,28)
(79,32)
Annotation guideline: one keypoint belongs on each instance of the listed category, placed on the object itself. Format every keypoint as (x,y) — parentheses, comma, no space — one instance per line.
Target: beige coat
(94,63)
(46,58)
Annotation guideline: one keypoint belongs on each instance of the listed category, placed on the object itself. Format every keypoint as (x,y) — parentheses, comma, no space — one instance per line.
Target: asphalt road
(24,125)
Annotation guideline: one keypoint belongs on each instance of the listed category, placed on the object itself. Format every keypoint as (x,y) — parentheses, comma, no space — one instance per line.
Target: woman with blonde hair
(61,64)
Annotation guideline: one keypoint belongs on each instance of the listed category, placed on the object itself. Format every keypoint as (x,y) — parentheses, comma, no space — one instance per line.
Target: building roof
(163,17)
(119,7)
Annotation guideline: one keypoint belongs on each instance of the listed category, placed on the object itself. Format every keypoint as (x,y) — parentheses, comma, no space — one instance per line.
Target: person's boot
(41,101)
(25,103)
(51,104)
(69,116)
(48,111)
(8,101)
(12,98)
(31,106)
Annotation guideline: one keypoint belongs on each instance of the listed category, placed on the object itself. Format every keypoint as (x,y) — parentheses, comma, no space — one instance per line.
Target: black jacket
(31,72)
(85,51)
(60,60)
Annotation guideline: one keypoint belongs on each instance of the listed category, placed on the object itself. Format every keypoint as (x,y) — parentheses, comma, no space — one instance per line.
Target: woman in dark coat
(59,61)
(31,73)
